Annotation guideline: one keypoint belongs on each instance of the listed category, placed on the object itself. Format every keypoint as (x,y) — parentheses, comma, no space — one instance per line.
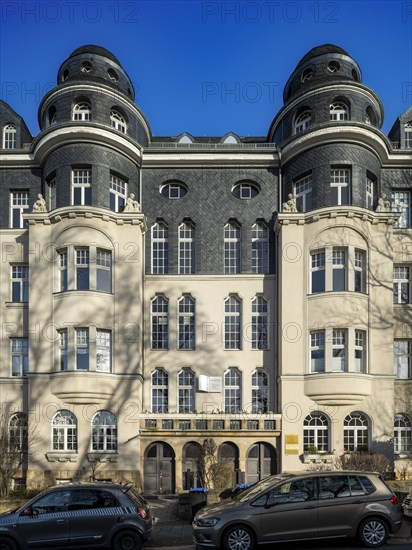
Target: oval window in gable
(246,190)
(173,190)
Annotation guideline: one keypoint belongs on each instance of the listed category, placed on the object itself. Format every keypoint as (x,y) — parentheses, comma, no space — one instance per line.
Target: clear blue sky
(205,67)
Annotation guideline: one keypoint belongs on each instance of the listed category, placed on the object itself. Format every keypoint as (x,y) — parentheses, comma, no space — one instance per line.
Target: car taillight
(394,499)
(142,513)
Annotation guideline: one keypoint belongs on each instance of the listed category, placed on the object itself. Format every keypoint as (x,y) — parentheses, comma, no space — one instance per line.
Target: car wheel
(373,532)
(126,540)
(8,544)
(238,537)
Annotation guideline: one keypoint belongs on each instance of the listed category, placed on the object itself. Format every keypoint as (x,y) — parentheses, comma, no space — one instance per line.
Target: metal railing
(227,146)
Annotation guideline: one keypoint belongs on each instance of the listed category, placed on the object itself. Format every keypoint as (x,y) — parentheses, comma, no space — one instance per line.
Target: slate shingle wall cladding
(8,116)
(102,161)
(396,179)
(209,203)
(320,159)
(14,180)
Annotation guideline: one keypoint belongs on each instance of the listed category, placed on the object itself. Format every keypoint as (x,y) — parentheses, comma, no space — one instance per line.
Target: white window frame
(160,248)
(233,390)
(360,351)
(260,248)
(356,426)
(370,193)
(20,283)
(401,284)
(118,121)
(232,247)
(186,259)
(359,271)
(9,136)
(159,318)
(19,353)
(186,390)
(82,180)
(339,263)
(338,111)
(408,135)
(19,201)
(118,191)
(303,121)
(339,350)
(402,359)
(160,382)
(317,264)
(104,432)
(103,350)
(63,335)
(340,178)
(82,346)
(233,323)
(186,312)
(260,391)
(82,112)
(401,202)
(51,193)
(103,265)
(18,432)
(302,189)
(402,432)
(260,323)
(316,432)
(317,347)
(64,431)
(82,265)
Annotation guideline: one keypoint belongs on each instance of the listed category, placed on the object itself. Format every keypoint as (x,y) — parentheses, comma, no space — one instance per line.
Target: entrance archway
(229,454)
(261,461)
(159,469)
(191,471)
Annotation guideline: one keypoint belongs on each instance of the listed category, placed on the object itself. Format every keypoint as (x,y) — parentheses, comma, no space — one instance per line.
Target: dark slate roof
(95,50)
(322,50)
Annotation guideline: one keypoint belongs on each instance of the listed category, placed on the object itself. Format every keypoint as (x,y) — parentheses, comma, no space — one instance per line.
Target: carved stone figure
(290,205)
(131,204)
(40,204)
(384,205)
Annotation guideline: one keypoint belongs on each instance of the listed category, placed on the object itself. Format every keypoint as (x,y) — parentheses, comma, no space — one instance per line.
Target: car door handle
(357,502)
(309,507)
(61,521)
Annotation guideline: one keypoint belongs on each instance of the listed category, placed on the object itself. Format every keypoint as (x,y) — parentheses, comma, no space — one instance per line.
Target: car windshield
(259,487)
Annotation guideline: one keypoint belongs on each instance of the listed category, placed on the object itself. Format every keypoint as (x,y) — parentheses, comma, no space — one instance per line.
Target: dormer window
(112,75)
(245,190)
(118,121)
(408,135)
(303,121)
(174,190)
(9,137)
(306,75)
(333,67)
(82,111)
(86,67)
(339,111)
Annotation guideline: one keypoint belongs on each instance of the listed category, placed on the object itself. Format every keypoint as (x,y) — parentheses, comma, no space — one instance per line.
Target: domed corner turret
(321,65)
(95,63)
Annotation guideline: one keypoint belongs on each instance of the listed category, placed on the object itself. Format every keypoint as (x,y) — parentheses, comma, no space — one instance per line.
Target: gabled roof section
(9,116)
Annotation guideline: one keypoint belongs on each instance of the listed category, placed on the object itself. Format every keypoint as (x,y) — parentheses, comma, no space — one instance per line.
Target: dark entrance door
(159,469)
(260,462)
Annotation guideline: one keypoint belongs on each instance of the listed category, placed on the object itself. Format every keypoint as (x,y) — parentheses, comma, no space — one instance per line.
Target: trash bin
(198,499)
(241,486)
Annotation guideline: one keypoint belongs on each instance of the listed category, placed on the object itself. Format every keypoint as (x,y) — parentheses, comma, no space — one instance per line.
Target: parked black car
(79,515)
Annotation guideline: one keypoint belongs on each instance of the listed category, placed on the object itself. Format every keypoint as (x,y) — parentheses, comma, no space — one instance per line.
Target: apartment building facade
(157,292)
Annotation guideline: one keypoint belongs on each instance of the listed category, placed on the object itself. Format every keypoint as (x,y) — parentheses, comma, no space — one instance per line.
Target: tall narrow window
(118,191)
(81,187)
(63,349)
(303,192)
(260,323)
(51,193)
(260,392)
(160,391)
(82,111)
(317,272)
(232,247)
(187,322)
(82,269)
(338,270)
(103,350)
(160,249)
(233,306)
(160,323)
(63,270)
(82,348)
(64,431)
(18,432)
(233,385)
(370,193)
(408,135)
(356,432)
(360,351)
(401,285)
(9,136)
(103,270)
(118,121)
(339,343)
(19,205)
(359,271)
(260,248)
(303,121)
(104,432)
(186,248)
(20,283)
(401,202)
(402,359)
(402,434)
(316,432)
(186,391)
(340,186)
(19,356)
(339,111)
(317,351)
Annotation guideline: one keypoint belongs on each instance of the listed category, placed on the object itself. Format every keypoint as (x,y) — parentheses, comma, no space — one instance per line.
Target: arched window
(160,248)
(408,135)
(302,121)
(339,111)
(52,115)
(233,388)
(160,391)
(64,425)
(186,248)
(233,322)
(118,121)
(82,111)
(306,75)
(18,434)
(356,432)
(231,235)
(9,137)
(187,322)
(160,322)
(316,432)
(104,432)
(260,248)
(260,323)
(370,116)
(402,434)
(260,392)
(186,391)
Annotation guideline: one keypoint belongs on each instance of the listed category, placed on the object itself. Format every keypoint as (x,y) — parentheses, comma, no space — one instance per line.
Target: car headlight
(206,522)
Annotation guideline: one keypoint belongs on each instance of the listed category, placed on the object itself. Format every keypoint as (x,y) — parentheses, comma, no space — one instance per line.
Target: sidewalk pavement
(175,533)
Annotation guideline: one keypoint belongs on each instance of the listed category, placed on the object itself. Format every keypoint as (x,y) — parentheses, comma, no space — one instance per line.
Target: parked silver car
(79,515)
(407,506)
(289,507)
